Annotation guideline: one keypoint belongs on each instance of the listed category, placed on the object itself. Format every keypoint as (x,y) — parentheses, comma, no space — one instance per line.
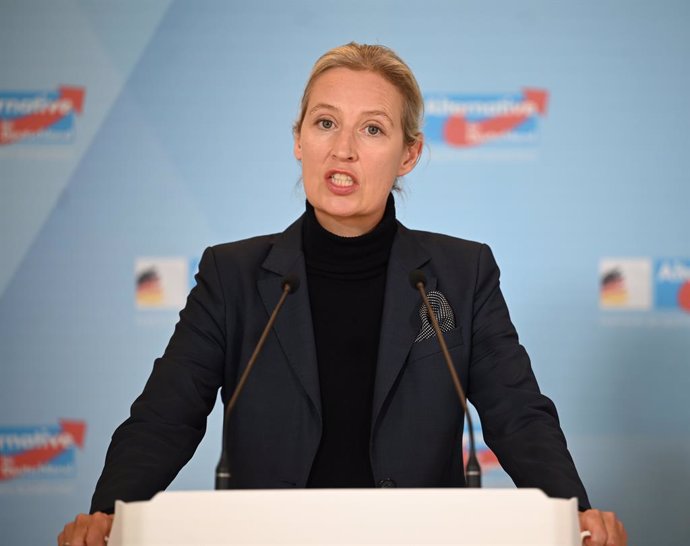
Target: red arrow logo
(48,446)
(460,132)
(71,99)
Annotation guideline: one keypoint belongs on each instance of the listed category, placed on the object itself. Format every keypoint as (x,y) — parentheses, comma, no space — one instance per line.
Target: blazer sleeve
(519,423)
(168,420)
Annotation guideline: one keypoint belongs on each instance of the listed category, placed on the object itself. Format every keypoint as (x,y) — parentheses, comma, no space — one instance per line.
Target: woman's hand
(87,530)
(605,528)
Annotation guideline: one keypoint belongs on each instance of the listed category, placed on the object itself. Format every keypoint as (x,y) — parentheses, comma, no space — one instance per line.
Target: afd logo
(644,284)
(491,120)
(40,117)
(672,284)
(43,451)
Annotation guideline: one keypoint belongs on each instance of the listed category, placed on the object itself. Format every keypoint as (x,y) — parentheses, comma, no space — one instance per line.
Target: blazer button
(388,482)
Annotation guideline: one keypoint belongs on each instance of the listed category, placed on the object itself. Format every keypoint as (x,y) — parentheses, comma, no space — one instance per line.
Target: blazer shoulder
(253,248)
(454,254)
(440,243)
(260,250)
(246,254)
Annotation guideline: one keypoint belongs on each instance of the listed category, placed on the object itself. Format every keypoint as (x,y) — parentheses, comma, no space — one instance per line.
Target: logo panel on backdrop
(672,284)
(40,451)
(40,117)
(161,282)
(657,289)
(505,120)
(625,283)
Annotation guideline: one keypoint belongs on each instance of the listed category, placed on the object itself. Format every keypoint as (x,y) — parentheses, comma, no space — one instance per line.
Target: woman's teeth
(342,180)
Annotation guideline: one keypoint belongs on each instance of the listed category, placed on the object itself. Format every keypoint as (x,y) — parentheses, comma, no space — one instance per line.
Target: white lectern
(348,516)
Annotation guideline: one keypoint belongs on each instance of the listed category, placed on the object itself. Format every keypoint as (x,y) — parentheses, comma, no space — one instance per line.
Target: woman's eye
(325,123)
(373,130)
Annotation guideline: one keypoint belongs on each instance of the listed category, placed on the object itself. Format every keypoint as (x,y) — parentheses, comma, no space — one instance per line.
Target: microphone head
(292,283)
(417,276)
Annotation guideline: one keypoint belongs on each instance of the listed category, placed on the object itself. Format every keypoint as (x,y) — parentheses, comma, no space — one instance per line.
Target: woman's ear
(411,156)
(297,149)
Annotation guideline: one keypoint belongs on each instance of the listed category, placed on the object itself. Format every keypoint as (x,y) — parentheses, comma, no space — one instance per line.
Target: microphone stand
(473,473)
(223,474)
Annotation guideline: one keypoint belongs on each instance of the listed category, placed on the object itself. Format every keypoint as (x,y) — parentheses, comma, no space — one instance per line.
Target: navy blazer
(416,431)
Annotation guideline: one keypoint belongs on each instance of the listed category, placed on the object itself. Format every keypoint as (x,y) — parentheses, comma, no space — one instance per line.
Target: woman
(349,390)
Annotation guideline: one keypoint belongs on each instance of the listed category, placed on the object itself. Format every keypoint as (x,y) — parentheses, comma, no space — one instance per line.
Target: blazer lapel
(293,326)
(400,321)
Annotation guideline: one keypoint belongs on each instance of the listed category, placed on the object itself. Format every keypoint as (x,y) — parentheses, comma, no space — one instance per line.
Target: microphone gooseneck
(289,285)
(473,473)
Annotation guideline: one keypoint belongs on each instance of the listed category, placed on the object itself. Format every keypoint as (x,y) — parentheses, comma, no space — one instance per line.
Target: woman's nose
(344,147)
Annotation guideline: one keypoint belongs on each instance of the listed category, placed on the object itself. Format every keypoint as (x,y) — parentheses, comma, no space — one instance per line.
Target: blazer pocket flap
(431,346)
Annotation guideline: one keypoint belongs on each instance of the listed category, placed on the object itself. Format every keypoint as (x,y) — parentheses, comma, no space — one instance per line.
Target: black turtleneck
(346,278)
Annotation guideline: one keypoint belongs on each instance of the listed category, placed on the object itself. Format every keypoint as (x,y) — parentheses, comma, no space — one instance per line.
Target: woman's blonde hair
(380,60)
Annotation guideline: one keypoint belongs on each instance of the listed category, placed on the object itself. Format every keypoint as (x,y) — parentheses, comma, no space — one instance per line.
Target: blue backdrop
(134,134)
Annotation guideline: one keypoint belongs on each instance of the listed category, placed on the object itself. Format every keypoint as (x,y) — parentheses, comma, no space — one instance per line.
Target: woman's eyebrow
(381,113)
(323,106)
(326,106)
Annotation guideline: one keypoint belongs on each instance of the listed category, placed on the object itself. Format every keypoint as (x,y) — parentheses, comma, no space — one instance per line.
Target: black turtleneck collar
(346,277)
(348,257)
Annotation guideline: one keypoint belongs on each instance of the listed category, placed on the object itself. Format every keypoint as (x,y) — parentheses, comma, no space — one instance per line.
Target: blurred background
(134,134)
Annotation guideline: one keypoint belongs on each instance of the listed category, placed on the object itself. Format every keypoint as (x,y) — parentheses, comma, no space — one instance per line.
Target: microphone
(473,472)
(290,285)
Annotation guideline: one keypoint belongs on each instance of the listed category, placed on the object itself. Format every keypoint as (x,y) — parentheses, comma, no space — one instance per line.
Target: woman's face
(352,149)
